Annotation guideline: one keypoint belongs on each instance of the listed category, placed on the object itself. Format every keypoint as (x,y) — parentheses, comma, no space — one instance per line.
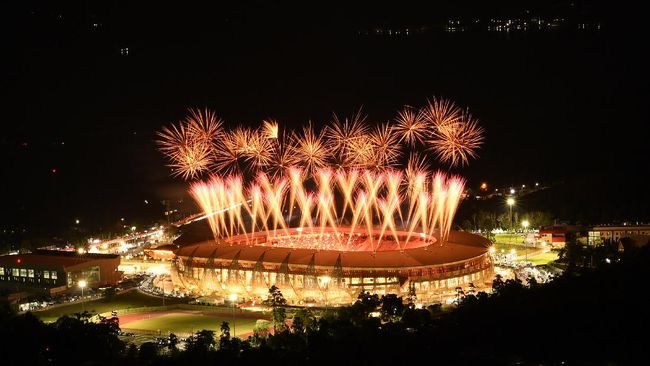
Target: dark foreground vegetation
(593,314)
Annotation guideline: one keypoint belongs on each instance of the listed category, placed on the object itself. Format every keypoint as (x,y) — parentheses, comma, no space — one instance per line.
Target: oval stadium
(311,271)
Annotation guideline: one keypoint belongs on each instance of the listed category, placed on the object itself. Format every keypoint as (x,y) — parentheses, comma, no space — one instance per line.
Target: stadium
(329,276)
(325,213)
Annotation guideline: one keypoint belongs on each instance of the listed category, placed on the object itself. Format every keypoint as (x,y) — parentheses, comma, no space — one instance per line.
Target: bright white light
(510,201)
(232,297)
(512,191)
(76,221)
(525,224)
(82,283)
(326,279)
(81,250)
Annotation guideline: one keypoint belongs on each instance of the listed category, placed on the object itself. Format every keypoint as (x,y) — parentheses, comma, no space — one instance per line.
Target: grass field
(508,247)
(509,238)
(127,300)
(533,253)
(183,322)
(543,258)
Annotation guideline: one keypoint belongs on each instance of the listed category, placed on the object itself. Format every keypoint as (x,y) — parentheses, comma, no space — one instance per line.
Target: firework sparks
(347,172)
(386,145)
(227,156)
(376,206)
(454,143)
(411,126)
(343,137)
(189,157)
(203,125)
(258,150)
(270,129)
(440,112)
(310,149)
(281,158)
(199,144)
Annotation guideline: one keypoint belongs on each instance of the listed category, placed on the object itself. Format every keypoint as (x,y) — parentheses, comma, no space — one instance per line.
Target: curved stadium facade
(249,264)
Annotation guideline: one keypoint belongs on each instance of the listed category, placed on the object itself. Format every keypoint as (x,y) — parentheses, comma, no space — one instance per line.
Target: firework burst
(199,144)
(411,125)
(440,112)
(188,156)
(386,146)
(281,158)
(310,149)
(454,143)
(270,129)
(343,137)
(203,125)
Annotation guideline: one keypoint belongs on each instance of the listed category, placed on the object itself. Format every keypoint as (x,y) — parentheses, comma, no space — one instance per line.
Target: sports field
(543,258)
(509,238)
(190,321)
(127,300)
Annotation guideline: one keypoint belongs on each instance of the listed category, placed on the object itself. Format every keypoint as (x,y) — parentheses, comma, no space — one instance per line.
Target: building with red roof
(54,271)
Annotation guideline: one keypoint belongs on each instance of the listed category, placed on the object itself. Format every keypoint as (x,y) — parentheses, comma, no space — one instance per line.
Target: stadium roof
(461,246)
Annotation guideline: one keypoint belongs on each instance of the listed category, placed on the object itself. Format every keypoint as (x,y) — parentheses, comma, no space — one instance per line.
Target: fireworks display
(364,177)
(344,209)
(200,146)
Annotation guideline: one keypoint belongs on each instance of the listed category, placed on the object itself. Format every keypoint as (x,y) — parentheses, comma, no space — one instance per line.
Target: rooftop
(54,258)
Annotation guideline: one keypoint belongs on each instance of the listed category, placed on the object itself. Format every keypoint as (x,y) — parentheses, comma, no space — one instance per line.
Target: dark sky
(556,106)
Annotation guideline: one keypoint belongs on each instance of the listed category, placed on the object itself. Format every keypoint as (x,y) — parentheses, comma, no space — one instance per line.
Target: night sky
(564,106)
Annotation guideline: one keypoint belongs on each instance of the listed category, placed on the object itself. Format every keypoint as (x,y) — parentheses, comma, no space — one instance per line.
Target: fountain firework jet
(341,208)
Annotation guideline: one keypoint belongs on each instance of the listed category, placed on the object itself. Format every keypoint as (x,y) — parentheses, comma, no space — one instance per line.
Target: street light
(82,284)
(233,299)
(510,202)
(525,224)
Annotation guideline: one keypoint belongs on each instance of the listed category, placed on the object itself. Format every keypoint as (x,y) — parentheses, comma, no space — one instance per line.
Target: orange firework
(203,125)
(343,136)
(454,143)
(376,206)
(199,144)
(361,153)
(270,129)
(411,126)
(310,149)
(440,111)
(258,149)
(188,156)
(281,158)
(386,148)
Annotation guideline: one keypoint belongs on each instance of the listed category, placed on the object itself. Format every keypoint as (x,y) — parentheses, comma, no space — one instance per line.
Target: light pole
(233,299)
(525,224)
(82,284)
(510,202)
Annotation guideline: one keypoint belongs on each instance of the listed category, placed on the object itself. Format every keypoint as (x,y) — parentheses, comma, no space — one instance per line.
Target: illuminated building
(315,275)
(56,271)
